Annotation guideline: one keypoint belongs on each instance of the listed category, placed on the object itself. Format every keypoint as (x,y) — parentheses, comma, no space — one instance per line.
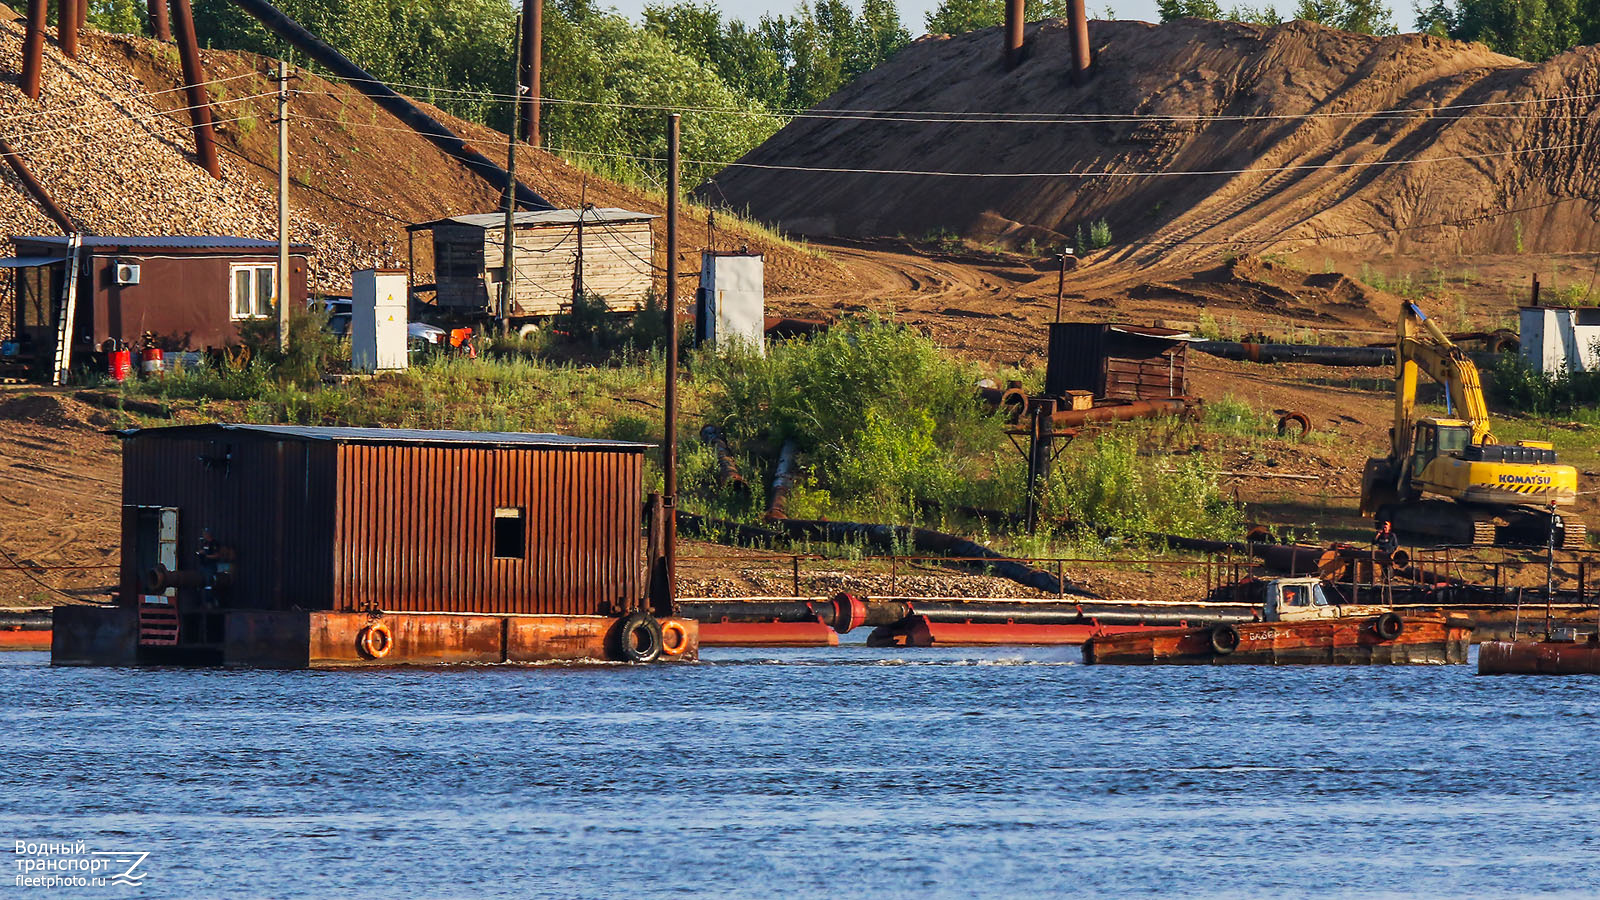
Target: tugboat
(1299,626)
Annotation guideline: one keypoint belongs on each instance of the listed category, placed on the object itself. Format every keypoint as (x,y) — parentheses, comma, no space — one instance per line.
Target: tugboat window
(510,532)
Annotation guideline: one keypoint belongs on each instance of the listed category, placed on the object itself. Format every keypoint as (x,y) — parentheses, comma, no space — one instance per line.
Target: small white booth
(731,305)
(1561,339)
(378,320)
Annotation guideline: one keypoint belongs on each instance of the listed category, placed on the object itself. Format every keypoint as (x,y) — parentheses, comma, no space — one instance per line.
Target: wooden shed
(1117,362)
(616,248)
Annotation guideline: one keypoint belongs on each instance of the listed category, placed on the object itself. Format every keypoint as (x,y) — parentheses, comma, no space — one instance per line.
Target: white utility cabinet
(378,320)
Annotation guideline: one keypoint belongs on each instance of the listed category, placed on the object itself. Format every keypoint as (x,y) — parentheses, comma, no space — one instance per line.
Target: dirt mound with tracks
(1218,137)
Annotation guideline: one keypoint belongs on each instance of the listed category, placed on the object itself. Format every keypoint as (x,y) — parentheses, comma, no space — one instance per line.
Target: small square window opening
(510,533)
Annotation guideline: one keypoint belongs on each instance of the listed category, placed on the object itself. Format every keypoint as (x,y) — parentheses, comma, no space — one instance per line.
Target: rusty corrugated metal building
(352,519)
(1117,362)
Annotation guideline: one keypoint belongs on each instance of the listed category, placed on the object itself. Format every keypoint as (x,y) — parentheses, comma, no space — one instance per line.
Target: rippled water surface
(811,773)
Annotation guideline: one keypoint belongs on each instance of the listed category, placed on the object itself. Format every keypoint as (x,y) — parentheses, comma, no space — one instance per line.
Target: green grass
(885,421)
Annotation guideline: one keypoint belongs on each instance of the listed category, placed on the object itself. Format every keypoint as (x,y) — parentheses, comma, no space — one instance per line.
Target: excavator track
(1438,521)
(1574,534)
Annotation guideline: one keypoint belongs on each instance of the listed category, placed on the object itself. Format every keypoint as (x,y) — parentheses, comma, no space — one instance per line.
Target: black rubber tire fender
(1224,639)
(1388,626)
(638,638)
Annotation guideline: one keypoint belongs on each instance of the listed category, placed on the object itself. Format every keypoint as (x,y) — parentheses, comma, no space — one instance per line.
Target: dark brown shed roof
(411,436)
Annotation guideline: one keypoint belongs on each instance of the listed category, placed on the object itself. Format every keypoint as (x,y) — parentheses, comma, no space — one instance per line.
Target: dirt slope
(1209,70)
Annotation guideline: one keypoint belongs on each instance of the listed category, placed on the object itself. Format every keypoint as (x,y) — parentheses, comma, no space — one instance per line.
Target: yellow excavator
(1447,480)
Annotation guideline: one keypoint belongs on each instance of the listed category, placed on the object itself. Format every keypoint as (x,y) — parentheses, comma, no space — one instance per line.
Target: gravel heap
(119,165)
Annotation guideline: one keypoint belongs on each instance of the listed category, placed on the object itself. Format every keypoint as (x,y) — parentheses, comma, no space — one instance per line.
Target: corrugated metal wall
(268,500)
(415,529)
(1113,365)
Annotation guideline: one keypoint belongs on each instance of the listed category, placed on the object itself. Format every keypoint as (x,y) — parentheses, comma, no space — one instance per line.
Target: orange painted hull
(24,639)
(272,639)
(1424,640)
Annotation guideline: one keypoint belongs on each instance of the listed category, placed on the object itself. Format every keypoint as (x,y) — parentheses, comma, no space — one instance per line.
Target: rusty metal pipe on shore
(33,46)
(194,84)
(1013,33)
(782,482)
(430,129)
(1138,409)
(727,468)
(65,222)
(1078,31)
(68,27)
(160,23)
(529,66)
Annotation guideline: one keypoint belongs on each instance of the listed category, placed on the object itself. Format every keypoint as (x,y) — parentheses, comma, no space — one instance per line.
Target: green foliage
(611,74)
(1362,16)
(119,16)
(960,16)
(1529,29)
(1099,235)
(1111,485)
(312,349)
(1516,386)
(882,418)
(1184,9)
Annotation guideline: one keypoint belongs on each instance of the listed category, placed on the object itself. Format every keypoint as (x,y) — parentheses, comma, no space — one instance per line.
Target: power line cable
(965,117)
(62,110)
(1190,173)
(117,120)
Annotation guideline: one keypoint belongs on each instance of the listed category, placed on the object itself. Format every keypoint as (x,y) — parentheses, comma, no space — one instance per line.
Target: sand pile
(1331,168)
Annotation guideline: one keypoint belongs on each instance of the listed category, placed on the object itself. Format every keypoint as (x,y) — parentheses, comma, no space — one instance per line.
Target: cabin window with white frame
(253,293)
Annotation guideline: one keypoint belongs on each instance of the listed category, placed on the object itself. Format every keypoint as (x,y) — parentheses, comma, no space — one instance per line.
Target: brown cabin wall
(415,529)
(184,298)
(270,501)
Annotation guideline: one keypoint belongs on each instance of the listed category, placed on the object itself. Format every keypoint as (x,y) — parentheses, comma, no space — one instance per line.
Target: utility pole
(669,454)
(281,283)
(531,61)
(509,254)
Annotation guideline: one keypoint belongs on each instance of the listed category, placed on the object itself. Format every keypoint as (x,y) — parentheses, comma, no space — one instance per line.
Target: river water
(809,773)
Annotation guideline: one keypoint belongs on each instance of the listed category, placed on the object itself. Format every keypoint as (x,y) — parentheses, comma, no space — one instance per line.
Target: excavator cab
(1434,438)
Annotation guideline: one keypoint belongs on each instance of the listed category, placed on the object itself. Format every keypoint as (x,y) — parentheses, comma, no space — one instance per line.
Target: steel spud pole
(669,465)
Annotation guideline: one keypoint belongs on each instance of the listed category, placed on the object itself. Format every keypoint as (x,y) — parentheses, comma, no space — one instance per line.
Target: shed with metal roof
(378,519)
(188,292)
(1117,362)
(609,253)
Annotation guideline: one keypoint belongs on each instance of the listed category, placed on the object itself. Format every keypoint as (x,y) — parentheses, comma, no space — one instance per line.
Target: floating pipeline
(1539,658)
(25,629)
(972,623)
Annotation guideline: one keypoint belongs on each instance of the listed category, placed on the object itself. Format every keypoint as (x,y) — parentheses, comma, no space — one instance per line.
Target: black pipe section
(425,125)
(1023,613)
(757,611)
(1298,353)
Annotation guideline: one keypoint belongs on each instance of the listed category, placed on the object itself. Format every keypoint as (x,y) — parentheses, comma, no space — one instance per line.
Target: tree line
(602,71)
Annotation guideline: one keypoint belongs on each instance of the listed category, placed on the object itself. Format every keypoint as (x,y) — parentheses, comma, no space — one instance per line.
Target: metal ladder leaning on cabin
(67,311)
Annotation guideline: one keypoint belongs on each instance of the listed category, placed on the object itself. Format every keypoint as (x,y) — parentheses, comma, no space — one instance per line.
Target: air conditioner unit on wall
(127,272)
